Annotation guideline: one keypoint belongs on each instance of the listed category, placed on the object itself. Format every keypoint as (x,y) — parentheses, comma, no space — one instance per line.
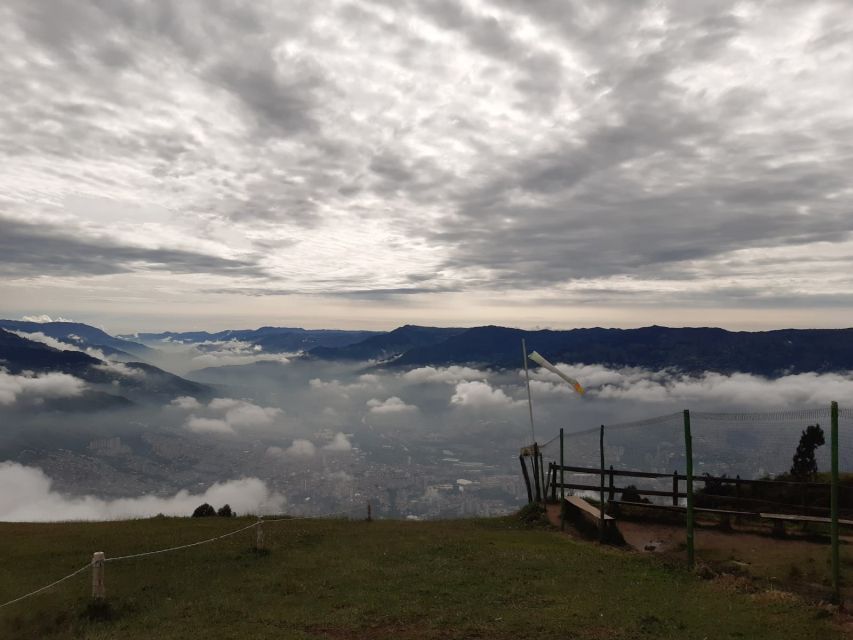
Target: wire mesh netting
(755,445)
(754,473)
(748,446)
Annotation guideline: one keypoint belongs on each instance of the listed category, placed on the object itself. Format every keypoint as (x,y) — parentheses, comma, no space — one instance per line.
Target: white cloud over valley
(45,386)
(226,415)
(28,496)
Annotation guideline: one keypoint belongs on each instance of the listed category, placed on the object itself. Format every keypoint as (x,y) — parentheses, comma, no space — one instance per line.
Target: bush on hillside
(225,512)
(533,514)
(631,494)
(204,511)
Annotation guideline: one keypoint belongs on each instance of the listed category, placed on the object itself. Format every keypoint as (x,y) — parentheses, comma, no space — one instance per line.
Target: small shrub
(533,514)
(204,511)
(225,512)
(631,494)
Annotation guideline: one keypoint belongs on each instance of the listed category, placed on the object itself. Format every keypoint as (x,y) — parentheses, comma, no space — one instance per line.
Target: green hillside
(385,579)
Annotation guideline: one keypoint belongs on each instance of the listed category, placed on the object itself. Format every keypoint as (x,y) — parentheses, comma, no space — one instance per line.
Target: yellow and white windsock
(542,362)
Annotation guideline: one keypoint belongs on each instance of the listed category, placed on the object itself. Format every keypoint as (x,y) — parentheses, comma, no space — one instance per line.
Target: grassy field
(386,579)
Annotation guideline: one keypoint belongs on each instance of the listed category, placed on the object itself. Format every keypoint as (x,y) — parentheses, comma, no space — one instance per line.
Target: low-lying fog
(283,434)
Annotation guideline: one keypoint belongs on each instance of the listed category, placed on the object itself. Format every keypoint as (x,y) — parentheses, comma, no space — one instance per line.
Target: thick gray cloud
(31,250)
(626,153)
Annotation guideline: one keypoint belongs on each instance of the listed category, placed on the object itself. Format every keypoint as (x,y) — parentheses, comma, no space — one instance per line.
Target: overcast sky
(369,163)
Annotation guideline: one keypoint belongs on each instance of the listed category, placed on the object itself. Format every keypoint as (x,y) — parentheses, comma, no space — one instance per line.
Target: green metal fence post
(601,487)
(688,453)
(833,500)
(562,487)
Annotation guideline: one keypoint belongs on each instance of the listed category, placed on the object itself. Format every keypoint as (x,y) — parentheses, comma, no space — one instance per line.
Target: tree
(204,511)
(225,511)
(804,465)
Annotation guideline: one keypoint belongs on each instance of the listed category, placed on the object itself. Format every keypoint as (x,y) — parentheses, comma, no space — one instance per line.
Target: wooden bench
(725,514)
(587,508)
(587,518)
(779,520)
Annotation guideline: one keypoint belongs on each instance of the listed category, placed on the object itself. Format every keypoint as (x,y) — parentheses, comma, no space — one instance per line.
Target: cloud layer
(501,155)
(37,387)
(226,415)
(28,496)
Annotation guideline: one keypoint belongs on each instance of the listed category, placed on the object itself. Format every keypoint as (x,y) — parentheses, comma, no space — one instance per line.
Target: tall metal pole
(688,453)
(601,487)
(529,397)
(833,500)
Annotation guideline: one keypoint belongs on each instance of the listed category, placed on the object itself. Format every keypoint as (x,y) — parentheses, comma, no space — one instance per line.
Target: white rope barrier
(52,584)
(183,546)
(169,549)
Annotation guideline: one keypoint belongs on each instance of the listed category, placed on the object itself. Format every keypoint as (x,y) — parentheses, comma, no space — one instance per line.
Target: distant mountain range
(387,346)
(270,339)
(112,384)
(82,335)
(691,350)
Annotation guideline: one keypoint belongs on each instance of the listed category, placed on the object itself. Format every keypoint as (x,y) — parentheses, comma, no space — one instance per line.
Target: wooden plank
(616,472)
(669,507)
(586,507)
(735,481)
(797,518)
(596,488)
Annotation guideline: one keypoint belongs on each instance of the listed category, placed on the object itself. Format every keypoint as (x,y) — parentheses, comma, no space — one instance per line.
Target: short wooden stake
(259,535)
(369,513)
(99,591)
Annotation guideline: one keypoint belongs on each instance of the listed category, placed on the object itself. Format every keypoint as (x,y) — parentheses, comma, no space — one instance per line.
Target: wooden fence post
(99,591)
(526,480)
(370,512)
(737,497)
(611,489)
(554,482)
(675,488)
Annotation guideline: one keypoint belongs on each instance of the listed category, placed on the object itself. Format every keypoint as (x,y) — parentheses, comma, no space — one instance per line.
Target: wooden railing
(607,480)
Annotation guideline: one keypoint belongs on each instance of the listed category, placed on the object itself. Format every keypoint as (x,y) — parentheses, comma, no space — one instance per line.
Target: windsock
(542,362)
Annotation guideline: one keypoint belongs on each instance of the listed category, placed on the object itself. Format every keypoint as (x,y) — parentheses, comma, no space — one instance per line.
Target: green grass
(337,579)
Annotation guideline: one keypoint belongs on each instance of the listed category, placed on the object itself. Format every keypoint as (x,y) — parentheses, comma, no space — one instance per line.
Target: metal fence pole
(562,483)
(833,503)
(601,486)
(688,453)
